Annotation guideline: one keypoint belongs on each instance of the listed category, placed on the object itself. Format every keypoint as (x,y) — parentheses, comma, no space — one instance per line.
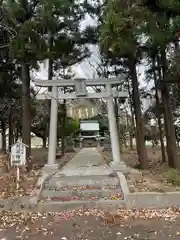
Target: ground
(157,178)
(93,224)
(8,178)
(86,227)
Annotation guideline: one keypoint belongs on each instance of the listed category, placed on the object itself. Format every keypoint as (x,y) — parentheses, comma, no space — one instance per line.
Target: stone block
(154,200)
(84,194)
(72,181)
(106,205)
(118,166)
(69,146)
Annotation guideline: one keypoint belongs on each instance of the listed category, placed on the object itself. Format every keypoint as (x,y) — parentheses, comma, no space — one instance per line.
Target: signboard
(89,126)
(18,154)
(80,87)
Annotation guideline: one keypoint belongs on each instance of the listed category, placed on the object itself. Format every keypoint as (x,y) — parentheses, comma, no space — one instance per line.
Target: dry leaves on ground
(153,179)
(33,223)
(8,183)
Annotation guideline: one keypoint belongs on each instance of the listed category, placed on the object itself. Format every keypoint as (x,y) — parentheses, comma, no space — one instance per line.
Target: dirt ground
(157,178)
(40,155)
(8,179)
(89,228)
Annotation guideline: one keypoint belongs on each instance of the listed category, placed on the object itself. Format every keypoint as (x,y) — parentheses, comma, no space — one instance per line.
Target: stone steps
(68,192)
(55,206)
(84,182)
(92,194)
(97,181)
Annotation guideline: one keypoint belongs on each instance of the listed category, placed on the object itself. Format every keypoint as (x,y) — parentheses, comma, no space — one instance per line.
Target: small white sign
(18,154)
(89,126)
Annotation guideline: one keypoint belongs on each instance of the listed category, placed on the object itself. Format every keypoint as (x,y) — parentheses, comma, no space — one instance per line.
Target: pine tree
(120,35)
(31,21)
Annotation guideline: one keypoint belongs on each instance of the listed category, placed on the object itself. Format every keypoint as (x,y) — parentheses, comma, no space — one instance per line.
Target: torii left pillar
(51,164)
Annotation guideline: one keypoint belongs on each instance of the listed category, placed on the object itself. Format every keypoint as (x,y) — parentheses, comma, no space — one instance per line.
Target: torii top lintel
(89,82)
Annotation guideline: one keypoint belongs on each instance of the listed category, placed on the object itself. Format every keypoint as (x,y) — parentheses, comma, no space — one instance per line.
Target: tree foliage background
(128,34)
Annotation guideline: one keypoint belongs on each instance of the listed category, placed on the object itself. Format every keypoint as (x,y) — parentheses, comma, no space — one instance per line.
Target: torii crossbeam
(81,92)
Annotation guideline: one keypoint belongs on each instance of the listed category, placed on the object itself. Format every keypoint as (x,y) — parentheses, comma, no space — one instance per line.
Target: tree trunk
(129,132)
(140,141)
(117,123)
(26,108)
(16,134)
(168,118)
(132,128)
(50,76)
(44,141)
(10,126)
(3,127)
(159,116)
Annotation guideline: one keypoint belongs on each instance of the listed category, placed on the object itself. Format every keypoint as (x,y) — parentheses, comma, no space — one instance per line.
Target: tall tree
(119,35)
(161,32)
(31,22)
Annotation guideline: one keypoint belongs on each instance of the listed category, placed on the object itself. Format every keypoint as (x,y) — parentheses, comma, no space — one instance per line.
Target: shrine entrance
(82,93)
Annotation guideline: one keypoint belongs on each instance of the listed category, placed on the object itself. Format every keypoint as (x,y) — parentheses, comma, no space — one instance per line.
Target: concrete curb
(106,205)
(15,204)
(123,185)
(37,192)
(138,200)
(20,204)
(153,200)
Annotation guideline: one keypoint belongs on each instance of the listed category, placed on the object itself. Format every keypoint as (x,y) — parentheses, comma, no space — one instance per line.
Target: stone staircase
(65,192)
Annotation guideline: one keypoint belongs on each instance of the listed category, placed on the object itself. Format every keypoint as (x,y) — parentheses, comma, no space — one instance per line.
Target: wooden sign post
(18,158)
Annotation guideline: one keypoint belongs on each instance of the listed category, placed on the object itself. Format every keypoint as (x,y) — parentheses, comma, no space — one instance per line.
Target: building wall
(81,109)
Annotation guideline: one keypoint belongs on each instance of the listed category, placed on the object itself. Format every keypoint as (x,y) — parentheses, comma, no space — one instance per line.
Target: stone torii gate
(81,92)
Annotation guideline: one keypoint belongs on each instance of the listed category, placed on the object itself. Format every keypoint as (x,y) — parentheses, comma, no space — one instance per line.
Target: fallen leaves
(120,215)
(65,198)
(33,223)
(84,187)
(24,222)
(117,197)
(77,197)
(26,184)
(151,180)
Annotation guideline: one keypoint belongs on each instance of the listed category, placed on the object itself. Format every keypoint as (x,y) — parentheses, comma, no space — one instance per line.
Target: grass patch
(172,176)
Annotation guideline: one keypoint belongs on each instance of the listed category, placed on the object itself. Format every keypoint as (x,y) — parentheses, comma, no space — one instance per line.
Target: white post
(113,127)
(87,113)
(71,110)
(18,177)
(79,113)
(92,111)
(53,128)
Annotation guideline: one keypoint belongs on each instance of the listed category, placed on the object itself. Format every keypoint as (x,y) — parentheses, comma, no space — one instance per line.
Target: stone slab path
(88,161)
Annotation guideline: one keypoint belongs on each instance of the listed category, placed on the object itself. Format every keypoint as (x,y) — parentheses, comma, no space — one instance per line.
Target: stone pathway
(87,162)
(84,182)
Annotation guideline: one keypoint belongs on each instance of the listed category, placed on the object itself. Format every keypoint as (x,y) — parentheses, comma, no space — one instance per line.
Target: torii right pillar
(117,164)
